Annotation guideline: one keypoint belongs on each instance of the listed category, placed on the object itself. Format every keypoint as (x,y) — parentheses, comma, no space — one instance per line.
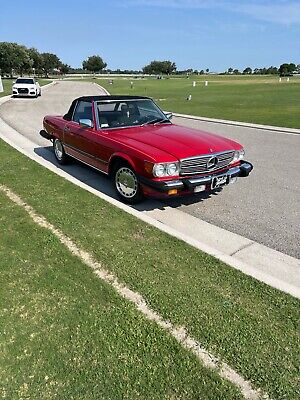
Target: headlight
(238,155)
(172,169)
(159,170)
(165,169)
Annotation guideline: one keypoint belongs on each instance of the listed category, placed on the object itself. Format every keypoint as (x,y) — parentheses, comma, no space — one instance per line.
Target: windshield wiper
(156,121)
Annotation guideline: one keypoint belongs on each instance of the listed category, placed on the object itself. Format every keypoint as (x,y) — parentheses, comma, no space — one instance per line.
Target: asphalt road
(265,207)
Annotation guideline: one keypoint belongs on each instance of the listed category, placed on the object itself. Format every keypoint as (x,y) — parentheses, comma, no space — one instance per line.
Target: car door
(82,142)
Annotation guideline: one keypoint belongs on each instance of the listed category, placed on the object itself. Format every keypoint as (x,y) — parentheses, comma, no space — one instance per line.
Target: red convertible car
(130,139)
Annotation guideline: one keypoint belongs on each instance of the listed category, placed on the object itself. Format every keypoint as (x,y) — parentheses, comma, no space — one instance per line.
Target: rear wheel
(59,152)
(126,184)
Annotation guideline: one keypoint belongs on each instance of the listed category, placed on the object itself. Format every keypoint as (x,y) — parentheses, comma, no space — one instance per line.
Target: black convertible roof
(69,114)
(117,97)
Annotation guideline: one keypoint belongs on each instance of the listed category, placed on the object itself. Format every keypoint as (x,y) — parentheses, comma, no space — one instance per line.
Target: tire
(126,184)
(40,93)
(59,152)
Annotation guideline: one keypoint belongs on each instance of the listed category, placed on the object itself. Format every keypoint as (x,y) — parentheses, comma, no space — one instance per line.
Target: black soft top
(69,114)
(105,98)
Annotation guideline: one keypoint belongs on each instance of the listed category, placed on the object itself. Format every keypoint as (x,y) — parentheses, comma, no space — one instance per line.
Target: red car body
(204,161)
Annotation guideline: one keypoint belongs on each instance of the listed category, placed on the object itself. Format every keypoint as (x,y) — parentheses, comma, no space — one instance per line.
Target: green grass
(249,325)
(261,100)
(7,84)
(66,335)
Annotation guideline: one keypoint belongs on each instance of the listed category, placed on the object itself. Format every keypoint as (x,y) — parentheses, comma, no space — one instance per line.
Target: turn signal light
(172,191)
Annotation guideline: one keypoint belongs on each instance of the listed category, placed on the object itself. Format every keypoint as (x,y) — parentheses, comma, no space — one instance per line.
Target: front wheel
(59,152)
(126,184)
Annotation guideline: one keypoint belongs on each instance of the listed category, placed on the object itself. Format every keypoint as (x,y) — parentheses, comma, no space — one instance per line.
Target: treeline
(168,67)
(285,69)
(16,59)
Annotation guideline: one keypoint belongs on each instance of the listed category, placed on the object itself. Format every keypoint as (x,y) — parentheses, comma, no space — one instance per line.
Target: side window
(83,110)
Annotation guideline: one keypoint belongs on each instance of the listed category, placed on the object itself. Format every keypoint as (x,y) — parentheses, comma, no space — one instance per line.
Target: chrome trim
(234,171)
(207,155)
(171,184)
(89,165)
(200,164)
(94,106)
(196,181)
(85,154)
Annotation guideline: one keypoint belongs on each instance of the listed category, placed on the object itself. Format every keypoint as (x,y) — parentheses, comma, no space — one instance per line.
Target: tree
(160,67)
(287,69)
(236,71)
(94,64)
(247,71)
(207,70)
(50,62)
(230,70)
(65,69)
(36,58)
(14,57)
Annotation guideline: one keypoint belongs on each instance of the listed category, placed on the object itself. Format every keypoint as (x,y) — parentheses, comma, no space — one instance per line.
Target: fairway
(254,99)
(68,330)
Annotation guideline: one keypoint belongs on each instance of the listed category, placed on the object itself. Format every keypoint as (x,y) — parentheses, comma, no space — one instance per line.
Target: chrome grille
(207,163)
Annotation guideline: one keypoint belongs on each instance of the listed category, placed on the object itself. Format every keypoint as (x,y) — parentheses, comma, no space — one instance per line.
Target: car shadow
(102,183)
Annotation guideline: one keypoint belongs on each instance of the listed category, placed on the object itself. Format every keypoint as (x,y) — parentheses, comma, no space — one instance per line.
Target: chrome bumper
(190,184)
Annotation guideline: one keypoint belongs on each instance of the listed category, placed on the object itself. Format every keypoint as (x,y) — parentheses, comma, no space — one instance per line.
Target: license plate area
(219,181)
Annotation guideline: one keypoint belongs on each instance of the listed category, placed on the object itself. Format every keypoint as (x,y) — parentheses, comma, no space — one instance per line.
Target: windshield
(25,80)
(123,113)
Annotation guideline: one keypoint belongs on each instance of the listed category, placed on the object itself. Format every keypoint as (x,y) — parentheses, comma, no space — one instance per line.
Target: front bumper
(198,183)
(30,93)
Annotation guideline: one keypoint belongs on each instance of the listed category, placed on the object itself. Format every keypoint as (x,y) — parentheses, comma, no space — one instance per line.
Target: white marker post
(288,79)
(206,83)
(279,79)
(189,98)
(1,85)
(194,83)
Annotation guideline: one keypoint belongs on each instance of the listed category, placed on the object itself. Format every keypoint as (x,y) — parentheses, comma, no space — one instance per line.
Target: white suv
(26,87)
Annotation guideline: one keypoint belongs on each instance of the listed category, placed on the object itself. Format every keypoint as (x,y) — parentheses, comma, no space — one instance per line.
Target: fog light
(172,191)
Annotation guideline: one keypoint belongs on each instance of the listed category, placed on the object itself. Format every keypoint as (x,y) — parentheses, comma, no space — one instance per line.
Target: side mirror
(169,115)
(86,123)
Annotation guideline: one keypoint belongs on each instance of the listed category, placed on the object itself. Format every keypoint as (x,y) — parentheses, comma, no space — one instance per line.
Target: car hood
(177,141)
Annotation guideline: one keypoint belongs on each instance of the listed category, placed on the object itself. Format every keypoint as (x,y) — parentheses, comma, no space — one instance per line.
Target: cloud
(276,11)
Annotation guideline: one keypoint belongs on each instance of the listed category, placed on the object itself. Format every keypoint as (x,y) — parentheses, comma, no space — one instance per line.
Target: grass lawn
(67,335)
(261,100)
(7,84)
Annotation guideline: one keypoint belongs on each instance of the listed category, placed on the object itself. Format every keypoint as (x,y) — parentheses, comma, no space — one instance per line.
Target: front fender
(119,156)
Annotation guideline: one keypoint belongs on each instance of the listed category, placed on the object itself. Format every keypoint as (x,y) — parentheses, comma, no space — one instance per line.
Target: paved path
(239,206)
(26,114)
(264,207)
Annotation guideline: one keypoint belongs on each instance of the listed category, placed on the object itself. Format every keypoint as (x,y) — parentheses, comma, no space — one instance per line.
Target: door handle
(67,129)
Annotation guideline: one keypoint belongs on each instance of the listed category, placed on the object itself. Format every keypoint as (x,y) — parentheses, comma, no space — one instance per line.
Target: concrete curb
(286,265)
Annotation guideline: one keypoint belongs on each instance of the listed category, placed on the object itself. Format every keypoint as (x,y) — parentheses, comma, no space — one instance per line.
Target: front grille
(23,90)
(207,163)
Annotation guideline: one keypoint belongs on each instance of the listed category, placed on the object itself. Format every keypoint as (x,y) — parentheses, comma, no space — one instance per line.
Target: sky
(128,34)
